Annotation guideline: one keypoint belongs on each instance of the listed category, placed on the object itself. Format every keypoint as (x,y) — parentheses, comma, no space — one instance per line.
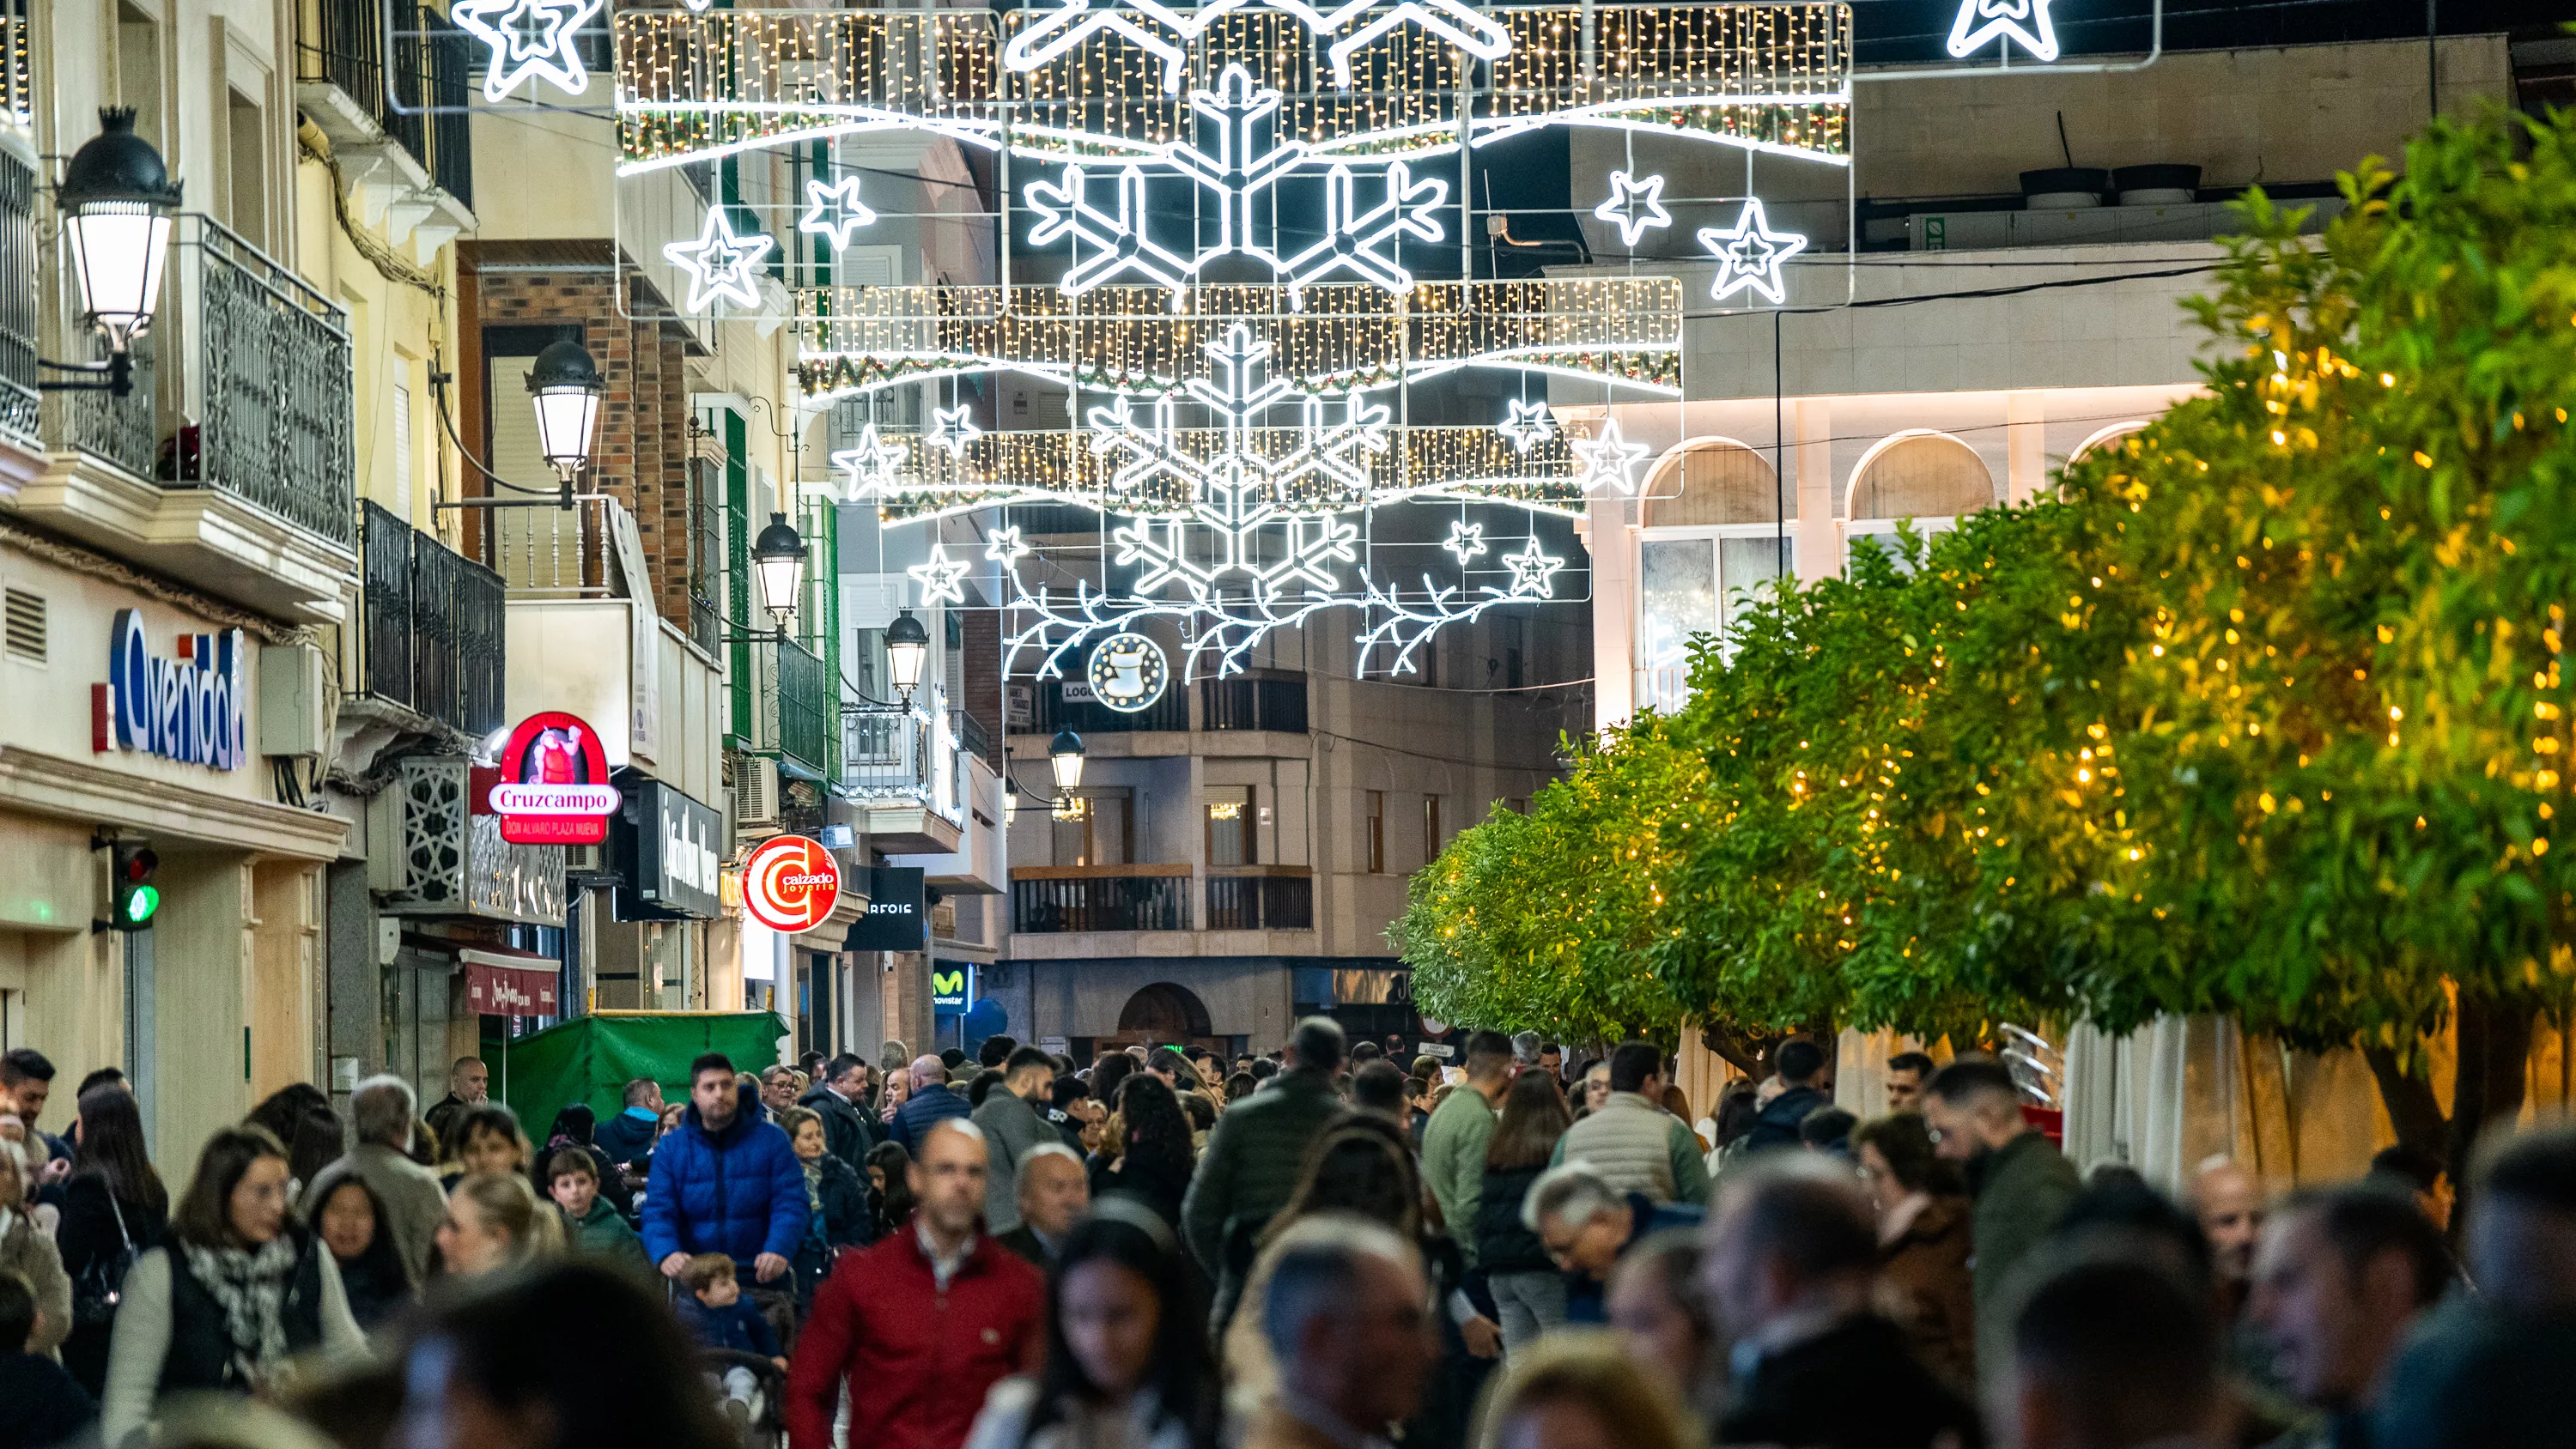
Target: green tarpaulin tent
(592,1058)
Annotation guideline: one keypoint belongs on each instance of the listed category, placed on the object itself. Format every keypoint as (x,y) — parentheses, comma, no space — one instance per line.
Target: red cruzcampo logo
(554,786)
(790,883)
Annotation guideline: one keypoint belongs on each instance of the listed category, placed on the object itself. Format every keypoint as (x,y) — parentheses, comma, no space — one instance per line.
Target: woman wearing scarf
(237,1291)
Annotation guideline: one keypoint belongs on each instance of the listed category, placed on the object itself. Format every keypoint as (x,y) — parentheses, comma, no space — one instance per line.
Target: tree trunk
(1752,1053)
(2495,1050)
(2412,1107)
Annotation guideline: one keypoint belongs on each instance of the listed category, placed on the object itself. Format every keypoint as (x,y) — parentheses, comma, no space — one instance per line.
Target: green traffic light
(140,905)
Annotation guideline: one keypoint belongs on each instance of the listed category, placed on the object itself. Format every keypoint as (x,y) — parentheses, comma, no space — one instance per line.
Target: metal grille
(279,422)
(385,557)
(438,681)
(1169,712)
(1253,704)
(1051,905)
(1260,903)
(18,272)
(122,430)
(804,707)
(706,551)
(25,626)
(482,644)
(343,42)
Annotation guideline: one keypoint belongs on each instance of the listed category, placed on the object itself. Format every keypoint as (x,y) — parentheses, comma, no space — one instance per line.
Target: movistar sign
(192,709)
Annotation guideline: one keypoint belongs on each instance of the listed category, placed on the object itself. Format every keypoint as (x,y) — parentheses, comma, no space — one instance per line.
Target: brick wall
(642,450)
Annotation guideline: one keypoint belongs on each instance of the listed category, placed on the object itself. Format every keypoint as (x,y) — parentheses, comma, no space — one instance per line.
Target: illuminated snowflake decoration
(528,39)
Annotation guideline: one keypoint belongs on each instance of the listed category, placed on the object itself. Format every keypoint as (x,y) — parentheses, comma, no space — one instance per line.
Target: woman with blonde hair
(1580,1391)
(26,1249)
(494,1221)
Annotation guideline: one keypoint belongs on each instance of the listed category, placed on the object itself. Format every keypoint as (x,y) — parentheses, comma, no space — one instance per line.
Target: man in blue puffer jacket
(724,1182)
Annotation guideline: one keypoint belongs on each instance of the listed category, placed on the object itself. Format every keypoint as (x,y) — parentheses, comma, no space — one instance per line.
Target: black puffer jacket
(1502,1244)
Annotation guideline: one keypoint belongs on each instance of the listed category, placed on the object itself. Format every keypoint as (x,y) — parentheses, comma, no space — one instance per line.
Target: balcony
(902,767)
(1063,899)
(231,464)
(1086,718)
(20,430)
(1261,898)
(400,168)
(1251,703)
(435,627)
(447,860)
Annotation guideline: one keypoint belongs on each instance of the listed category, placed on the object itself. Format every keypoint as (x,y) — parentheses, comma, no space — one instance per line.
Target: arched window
(1711,531)
(1710,482)
(2110,437)
(1929,478)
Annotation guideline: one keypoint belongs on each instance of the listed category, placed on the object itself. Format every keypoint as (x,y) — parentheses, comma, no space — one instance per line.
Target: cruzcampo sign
(554,786)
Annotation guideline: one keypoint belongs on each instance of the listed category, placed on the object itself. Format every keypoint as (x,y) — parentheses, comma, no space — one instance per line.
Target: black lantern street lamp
(778,562)
(907,647)
(116,200)
(567,389)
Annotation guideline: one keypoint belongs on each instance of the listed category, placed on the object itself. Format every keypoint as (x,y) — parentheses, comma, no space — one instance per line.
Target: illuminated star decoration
(1529,425)
(1006,546)
(1531,571)
(1608,458)
(942,579)
(2024,22)
(528,38)
(1634,207)
(720,264)
(833,209)
(953,428)
(1466,540)
(1751,254)
(871,464)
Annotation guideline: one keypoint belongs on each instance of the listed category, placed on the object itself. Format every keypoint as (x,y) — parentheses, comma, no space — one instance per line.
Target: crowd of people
(1318,1248)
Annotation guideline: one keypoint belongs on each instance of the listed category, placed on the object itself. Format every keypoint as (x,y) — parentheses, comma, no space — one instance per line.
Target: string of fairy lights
(1771,77)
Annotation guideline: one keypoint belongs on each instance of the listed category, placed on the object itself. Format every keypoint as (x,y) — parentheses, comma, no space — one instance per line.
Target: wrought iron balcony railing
(1261,899)
(803,700)
(19,312)
(1240,703)
(436,626)
(1055,712)
(904,754)
(343,42)
(1048,900)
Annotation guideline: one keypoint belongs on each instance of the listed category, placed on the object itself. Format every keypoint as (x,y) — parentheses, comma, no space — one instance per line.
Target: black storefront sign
(668,850)
(897,919)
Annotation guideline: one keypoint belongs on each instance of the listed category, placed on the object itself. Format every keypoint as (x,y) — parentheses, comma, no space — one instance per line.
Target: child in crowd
(591,1226)
(716,1316)
(45,1406)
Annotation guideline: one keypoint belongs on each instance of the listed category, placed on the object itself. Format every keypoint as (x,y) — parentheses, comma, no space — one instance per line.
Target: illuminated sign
(952,987)
(790,883)
(1127,672)
(192,709)
(554,786)
(895,914)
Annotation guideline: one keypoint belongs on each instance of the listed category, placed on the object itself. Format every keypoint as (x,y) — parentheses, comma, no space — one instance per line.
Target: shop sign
(952,987)
(554,786)
(790,883)
(193,709)
(498,988)
(895,915)
(670,858)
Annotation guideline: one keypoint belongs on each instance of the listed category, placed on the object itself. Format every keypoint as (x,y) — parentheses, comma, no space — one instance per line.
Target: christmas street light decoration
(873,465)
(1609,460)
(833,210)
(2014,22)
(1006,546)
(954,429)
(528,39)
(1529,425)
(720,264)
(1635,207)
(1531,569)
(1751,255)
(942,578)
(1466,540)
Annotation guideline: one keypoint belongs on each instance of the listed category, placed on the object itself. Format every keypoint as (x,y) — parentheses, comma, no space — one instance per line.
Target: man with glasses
(1587,1225)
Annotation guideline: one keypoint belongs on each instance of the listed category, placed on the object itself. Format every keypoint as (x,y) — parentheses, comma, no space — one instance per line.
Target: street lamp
(1064,754)
(907,646)
(778,561)
(568,388)
(1010,803)
(116,200)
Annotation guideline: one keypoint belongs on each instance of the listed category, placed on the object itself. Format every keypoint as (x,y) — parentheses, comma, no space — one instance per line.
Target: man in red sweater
(920,1325)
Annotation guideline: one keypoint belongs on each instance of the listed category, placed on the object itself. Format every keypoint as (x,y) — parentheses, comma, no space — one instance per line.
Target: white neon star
(1006,546)
(953,428)
(1634,207)
(2024,22)
(1531,571)
(528,38)
(1608,458)
(720,264)
(1529,425)
(833,209)
(942,579)
(871,464)
(1751,254)
(1466,540)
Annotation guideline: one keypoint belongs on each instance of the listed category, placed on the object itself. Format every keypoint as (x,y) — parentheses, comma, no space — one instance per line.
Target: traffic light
(138,900)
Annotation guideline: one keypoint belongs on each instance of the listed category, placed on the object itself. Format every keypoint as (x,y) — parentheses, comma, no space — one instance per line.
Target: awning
(510,983)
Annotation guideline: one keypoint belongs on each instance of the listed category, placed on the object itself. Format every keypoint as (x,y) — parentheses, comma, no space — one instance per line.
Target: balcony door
(1102,831)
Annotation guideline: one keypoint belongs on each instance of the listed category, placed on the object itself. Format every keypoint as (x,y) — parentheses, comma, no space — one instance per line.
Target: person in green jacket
(1254,1155)
(2021,1182)
(1453,1146)
(591,1227)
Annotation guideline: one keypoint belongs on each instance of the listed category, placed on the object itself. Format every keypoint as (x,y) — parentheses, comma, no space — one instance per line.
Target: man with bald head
(1054,1193)
(932,1101)
(918,1327)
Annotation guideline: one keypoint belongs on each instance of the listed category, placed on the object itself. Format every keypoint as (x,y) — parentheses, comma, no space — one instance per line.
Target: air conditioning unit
(755,793)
